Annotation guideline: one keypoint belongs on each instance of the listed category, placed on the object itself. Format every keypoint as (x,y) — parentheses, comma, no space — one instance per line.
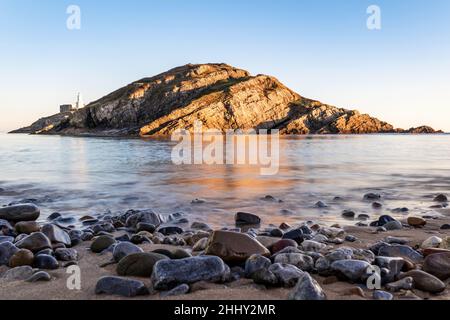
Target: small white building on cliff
(70,108)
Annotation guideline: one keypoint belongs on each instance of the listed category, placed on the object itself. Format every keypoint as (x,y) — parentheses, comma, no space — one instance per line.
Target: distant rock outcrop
(221,96)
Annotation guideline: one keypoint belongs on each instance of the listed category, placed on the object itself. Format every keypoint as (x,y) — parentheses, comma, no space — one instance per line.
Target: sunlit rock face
(219,95)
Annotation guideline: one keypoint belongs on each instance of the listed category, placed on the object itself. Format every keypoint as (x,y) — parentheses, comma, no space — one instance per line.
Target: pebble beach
(139,254)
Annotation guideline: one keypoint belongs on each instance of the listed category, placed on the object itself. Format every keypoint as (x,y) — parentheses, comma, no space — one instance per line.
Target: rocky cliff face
(220,96)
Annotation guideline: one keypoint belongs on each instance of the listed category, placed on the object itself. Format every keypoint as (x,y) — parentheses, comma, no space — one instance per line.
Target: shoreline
(167,137)
(304,252)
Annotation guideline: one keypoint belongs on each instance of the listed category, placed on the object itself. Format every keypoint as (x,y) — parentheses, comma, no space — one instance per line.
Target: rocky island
(219,95)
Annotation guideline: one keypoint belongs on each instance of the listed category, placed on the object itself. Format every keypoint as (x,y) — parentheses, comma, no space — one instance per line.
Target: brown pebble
(284,226)
(416,222)
(23,257)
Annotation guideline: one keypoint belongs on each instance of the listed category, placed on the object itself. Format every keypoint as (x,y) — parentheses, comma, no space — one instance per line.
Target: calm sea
(80,176)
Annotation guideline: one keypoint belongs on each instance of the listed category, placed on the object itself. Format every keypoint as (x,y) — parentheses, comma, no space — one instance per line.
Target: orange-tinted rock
(281,244)
(233,246)
(416,222)
(23,257)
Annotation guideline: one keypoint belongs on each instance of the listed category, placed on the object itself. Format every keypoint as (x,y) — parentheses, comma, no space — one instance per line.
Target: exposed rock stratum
(221,96)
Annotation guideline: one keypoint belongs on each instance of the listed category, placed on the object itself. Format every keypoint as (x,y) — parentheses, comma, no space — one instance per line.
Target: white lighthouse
(79,104)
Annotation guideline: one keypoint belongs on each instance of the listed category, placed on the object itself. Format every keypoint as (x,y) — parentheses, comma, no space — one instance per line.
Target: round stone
(284,226)
(312,246)
(297,235)
(354,270)
(431,242)
(34,242)
(301,261)
(196,225)
(124,249)
(372,196)
(363,216)
(66,254)
(167,231)
(45,262)
(307,289)
(168,274)
(23,257)
(321,204)
(348,214)
(441,198)
(233,246)
(244,218)
(255,263)
(393,225)
(286,274)
(54,216)
(56,235)
(39,276)
(416,222)
(18,273)
(424,281)
(27,227)
(438,264)
(281,244)
(383,220)
(7,250)
(138,264)
(177,291)
(265,277)
(102,243)
(277,233)
(20,212)
(377,205)
(200,245)
(382,295)
(143,226)
(120,286)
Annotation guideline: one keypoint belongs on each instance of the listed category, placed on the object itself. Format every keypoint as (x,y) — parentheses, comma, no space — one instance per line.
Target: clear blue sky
(321,49)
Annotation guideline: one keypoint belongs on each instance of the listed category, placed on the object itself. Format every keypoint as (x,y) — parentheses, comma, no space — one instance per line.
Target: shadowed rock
(307,289)
(168,274)
(120,286)
(20,212)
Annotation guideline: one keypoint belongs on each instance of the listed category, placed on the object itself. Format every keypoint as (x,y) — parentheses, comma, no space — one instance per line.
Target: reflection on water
(78,176)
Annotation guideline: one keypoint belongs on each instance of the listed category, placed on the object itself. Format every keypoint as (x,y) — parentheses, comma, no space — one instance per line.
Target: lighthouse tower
(79,104)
